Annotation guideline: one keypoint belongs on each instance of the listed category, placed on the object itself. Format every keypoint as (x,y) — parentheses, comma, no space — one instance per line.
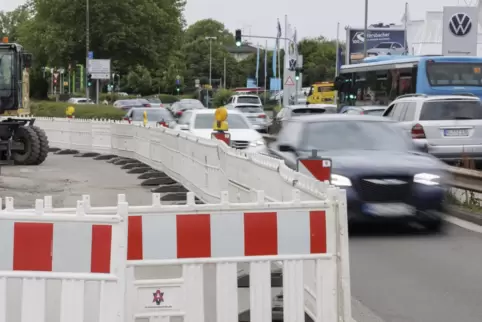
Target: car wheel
(435,225)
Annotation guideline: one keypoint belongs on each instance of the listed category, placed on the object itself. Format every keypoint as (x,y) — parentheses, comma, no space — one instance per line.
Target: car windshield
(454,74)
(451,110)
(353,135)
(373,112)
(153,115)
(206,121)
(384,45)
(324,89)
(248,100)
(191,106)
(305,111)
(249,109)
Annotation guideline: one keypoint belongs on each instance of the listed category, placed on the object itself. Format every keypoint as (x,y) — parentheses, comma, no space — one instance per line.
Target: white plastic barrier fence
(113,244)
(203,166)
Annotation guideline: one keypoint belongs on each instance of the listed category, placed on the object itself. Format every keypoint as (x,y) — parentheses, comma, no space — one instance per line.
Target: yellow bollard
(70,111)
(145,118)
(220,126)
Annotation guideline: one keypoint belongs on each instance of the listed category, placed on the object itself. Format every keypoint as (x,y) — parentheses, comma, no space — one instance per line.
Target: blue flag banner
(275,84)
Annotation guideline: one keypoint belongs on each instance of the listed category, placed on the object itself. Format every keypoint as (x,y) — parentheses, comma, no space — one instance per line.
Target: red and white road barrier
(109,246)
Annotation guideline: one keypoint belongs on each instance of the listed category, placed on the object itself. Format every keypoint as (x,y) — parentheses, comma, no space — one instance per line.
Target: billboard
(380,41)
(460,25)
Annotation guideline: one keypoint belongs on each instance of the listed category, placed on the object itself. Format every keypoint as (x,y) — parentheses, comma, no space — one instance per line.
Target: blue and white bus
(379,80)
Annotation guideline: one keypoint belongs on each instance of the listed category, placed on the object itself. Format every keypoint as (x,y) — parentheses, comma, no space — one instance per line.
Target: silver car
(387,48)
(449,126)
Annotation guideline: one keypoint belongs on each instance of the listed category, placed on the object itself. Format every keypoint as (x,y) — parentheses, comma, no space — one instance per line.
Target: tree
(10,22)
(196,50)
(319,57)
(129,32)
(209,28)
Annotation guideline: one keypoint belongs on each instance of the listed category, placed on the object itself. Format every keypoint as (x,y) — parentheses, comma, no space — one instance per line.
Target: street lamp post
(87,31)
(210,57)
(366,30)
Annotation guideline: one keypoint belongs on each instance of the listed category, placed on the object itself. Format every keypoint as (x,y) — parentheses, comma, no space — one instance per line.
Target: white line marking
(464,224)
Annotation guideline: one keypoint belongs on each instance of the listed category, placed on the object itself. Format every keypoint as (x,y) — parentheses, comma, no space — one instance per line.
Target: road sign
(292,64)
(91,55)
(289,81)
(56,75)
(178,81)
(319,168)
(99,68)
(178,77)
(66,83)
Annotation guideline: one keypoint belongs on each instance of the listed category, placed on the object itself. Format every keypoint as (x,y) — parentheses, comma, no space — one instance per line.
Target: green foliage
(57,109)
(147,43)
(221,97)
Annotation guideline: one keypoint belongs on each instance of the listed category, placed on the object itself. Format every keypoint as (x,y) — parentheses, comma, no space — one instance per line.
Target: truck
(21,141)
(322,93)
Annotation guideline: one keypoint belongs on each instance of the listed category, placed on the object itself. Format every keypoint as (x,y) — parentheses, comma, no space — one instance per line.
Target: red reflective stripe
(260,233)
(32,246)
(317,170)
(317,232)
(101,249)
(193,236)
(134,238)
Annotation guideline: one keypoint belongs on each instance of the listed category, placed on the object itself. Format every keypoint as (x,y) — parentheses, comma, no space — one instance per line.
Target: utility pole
(87,41)
(210,57)
(224,76)
(366,31)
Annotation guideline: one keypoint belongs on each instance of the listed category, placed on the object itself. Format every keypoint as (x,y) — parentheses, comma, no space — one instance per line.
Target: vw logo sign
(460,24)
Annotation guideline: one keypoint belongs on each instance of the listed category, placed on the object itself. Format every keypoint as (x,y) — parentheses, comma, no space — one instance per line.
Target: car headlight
(257,143)
(340,181)
(427,179)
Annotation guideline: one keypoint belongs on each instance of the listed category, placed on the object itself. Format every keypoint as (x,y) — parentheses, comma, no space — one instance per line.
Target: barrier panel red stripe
(101,248)
(318,232)
(32,246)
(134,238)
(260,234)
(193,236)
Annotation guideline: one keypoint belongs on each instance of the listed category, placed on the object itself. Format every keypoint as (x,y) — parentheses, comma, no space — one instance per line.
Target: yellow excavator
(21,142)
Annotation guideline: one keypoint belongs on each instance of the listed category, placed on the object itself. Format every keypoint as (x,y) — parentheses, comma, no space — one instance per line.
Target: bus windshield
(454,74)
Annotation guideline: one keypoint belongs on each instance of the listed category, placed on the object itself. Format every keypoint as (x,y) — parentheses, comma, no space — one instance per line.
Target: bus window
(454,74)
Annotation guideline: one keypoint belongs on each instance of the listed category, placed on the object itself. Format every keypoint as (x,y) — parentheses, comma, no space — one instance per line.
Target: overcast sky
(310,17)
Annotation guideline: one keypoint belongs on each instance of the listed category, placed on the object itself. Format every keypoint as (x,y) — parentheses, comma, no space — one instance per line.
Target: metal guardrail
(465,179)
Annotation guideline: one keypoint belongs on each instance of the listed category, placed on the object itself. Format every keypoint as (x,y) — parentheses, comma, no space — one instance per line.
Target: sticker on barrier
(315,166)
(222,136)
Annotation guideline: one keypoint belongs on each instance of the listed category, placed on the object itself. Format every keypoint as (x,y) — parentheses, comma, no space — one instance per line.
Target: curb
(458,212)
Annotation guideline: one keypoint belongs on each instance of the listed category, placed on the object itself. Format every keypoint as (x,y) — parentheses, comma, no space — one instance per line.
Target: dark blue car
(387,177)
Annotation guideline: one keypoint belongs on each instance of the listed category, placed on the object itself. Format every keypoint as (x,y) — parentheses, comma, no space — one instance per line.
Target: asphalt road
(396,276)
(408,277)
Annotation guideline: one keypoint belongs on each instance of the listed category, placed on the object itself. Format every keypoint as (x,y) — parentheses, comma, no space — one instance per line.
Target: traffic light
(238,37)
(298,71)
(89,80)
(178,88)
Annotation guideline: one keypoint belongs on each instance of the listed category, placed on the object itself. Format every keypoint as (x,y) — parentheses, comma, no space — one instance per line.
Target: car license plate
(389,209)
(456,132)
